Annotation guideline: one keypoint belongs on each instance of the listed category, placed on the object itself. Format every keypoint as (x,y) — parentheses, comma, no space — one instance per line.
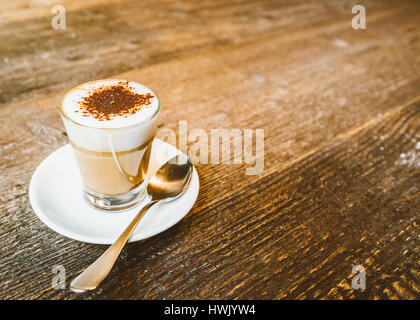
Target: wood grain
(340,112)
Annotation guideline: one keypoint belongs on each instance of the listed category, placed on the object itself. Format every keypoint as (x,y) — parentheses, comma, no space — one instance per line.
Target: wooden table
(340,112)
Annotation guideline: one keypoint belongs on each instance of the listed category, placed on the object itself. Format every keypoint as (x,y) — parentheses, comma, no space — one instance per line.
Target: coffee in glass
(111,125)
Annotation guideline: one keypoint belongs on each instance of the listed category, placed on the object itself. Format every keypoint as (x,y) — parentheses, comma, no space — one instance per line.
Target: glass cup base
(116,202)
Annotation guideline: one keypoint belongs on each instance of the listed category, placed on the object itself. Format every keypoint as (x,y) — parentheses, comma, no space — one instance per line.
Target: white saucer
(55,192)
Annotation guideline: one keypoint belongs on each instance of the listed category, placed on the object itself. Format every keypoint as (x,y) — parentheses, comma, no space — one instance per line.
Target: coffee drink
(111,125)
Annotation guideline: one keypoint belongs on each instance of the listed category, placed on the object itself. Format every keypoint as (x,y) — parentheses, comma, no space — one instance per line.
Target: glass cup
(113,162)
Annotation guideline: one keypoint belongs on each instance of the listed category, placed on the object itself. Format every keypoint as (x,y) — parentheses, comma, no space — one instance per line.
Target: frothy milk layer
(116,133)
(74,100)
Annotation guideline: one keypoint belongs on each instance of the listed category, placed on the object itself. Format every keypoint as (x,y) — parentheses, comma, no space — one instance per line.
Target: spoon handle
(97,271)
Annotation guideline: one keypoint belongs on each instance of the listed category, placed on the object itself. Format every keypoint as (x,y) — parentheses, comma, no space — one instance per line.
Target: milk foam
(117,134)
(74,99)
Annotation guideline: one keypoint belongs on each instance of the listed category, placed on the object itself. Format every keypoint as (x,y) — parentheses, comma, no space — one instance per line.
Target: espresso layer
(113,173)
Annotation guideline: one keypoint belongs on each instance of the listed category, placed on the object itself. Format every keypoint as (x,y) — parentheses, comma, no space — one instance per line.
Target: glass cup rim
(135,125)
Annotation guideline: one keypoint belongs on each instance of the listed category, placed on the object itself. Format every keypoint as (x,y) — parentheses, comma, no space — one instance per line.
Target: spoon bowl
(171,180)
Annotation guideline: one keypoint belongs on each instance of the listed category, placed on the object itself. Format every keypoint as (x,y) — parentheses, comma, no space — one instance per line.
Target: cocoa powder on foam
(111,101)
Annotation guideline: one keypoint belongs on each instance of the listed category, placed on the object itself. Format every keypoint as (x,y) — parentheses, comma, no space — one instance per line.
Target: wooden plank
(295,233)
(111,38)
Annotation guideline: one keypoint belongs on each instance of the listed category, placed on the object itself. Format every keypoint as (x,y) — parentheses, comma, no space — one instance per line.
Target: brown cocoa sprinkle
(117,100)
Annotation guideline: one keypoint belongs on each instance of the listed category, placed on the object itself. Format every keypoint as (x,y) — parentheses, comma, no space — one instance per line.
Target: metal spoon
(168,183)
